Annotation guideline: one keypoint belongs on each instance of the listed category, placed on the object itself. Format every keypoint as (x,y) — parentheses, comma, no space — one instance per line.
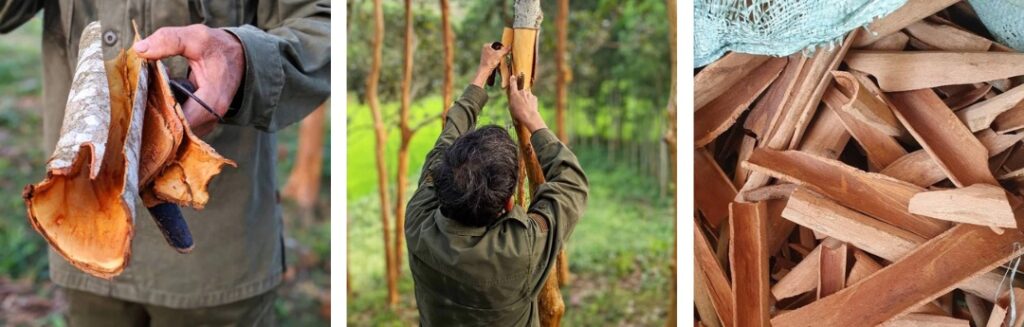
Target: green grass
(619,252)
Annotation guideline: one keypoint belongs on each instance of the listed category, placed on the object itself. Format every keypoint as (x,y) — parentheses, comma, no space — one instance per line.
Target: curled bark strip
(713,119)
(912,70)
(88,219)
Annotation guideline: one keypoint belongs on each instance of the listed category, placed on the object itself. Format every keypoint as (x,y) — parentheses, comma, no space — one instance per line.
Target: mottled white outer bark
(133,141)
(87,114)
(527,14)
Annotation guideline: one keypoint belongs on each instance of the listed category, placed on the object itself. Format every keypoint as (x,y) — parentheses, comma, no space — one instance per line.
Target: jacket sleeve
(287,64)
(563,197)
(13,13)
(461,119)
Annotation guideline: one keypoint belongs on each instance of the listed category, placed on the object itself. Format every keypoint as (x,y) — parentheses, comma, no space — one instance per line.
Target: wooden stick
(749,257)
(718,115)
(980,115)
(716,191)
(718,285)
(912,11)
(963,252)
(978,204)
(944,137)
(911,70)
(832,268)
(847,185)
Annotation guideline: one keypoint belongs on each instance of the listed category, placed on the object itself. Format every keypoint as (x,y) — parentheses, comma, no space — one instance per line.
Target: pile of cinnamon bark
(879,182)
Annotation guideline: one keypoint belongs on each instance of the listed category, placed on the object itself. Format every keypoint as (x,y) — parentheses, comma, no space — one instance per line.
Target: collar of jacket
(451,226)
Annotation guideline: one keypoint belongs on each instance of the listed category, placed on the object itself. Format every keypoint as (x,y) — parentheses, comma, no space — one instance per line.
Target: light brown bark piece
(852,187)
(718,115)
(931,320)
(947,37)
(920,169)
(978,309)
(779,228)
(978,204)
(937,266)
(714,190)
(912,11)
(1011,120)
(980,115)
(998,316)
(811,92)
(801,279)
(720,76)
(702,299)
(912,70)
(943,136)
(766,113)
(892,42)
(749,257)
(832,268)
(881,148)
(967,97)
(864,105)
(719,287)
(770,192)
(863,266)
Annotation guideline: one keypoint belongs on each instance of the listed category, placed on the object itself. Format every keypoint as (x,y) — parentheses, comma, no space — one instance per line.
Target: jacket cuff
(260,90)
(541,139)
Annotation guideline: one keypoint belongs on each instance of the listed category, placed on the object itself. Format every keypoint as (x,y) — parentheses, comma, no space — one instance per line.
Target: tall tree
(449,59)
(406,134)
(382,141)
(562,80)
(670,142)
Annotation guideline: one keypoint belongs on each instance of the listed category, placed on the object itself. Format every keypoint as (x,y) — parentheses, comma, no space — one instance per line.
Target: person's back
(477,259)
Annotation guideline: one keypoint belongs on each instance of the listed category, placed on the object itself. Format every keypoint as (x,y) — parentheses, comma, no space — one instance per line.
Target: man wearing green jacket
(476,258)
(262,65)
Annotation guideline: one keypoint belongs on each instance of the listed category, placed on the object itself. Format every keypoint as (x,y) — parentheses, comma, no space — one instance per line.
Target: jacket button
(110,38)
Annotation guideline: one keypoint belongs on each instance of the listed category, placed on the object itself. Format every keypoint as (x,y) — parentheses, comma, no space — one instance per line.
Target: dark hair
(477,175)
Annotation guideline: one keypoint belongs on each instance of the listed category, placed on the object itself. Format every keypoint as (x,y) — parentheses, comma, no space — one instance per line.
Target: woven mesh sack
(1004,19)
(778,27)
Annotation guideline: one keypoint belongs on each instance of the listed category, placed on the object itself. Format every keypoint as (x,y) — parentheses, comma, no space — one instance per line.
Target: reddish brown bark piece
(863,266)
(718,115)
(968,97)
(801,279)
(978,204)
(912,11)
(715,191)
(851,187)
(832,268)
(980,115)
(946,37)
(749,257)
(861,103)
(880,147)
(720,76)
(962,252)
(719,288)
(913,70)
(944,137)
(892,42)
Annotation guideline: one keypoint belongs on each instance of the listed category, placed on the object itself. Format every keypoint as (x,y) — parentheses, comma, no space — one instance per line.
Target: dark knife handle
(172,224)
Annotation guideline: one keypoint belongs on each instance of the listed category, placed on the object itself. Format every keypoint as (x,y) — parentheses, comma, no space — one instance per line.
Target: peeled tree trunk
(85,207)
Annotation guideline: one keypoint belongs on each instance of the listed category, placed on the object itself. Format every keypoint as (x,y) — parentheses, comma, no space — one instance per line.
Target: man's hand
(217,60)
(523,106)
(489,60)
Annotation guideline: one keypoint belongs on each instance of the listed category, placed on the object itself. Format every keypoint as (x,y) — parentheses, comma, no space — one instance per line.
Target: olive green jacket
(238,250)
(490,276)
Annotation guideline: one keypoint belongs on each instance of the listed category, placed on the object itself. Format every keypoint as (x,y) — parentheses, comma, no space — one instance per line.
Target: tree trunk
(526,25)
(403,150)
(670,142)
(304,181)
(561,84)
(449,59)
(381,137)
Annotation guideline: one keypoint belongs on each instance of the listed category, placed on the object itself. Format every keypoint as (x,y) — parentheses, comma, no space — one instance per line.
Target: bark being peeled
(118,137)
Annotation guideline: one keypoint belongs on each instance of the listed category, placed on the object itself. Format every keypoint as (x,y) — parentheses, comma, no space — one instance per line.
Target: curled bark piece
(864,105)
(912,70)
(946,37)
(184,179)
(979,204)
(980,115)
(719,77)
(713,119)
(88,218)
(912,11)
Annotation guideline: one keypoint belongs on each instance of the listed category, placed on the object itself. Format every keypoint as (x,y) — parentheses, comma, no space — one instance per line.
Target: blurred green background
(27,298)
(619,55)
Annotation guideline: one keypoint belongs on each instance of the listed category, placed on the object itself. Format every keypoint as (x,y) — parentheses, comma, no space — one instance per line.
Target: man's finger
(171,41)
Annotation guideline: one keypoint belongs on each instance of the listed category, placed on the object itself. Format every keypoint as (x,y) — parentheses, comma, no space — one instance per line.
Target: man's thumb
(165,42)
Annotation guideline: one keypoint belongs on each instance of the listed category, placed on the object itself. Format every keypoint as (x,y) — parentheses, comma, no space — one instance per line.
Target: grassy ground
(619,252)
(27,296)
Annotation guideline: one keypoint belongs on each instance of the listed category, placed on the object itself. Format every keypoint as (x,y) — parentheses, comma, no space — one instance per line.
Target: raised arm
(563,197)
(461,119)
(13,13)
